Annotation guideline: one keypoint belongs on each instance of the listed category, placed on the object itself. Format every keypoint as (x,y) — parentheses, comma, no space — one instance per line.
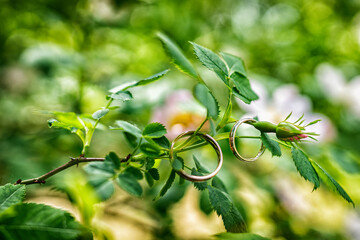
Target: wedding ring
(233,145)
(212,142)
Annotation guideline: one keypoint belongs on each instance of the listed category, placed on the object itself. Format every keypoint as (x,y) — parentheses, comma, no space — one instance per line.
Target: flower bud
(287,131)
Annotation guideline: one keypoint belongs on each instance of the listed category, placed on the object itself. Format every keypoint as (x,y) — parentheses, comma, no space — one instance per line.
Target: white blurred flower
(320,209)
(287,99)
(337,89)
(180,113)
(352,224)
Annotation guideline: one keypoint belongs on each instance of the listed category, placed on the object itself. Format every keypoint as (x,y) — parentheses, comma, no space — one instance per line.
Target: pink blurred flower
(180,113)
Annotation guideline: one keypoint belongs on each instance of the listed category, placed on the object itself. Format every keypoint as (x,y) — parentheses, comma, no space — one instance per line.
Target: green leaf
(198,165)
(131,139)
(271,145)
(242,88)
(201,186)
(222,204)
(103,186)
(233,221)
(220,201)
(100,113)
(212,127)
(177,56)
(71,122)
(168,183)
(101,175)
(142,82)
(11,194)
(206,98)
(181,180)
(154,173)
(154,130)
(239,236)
(150,150)
(149,163)
(241,97)
(162,142)
(105,169)
(129,183)
(121,95)
(178,163)
(114,159)
(70,119)
(149,179)
(211,61)
(135,172)
(331,182)
(234,63)
(32,221)
(217,183)
(53,123)
(127,127)
(304,167)
(149,80)
(199,171)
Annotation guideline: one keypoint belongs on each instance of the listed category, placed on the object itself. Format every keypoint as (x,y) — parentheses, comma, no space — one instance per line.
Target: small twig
(203,143)
(72,162)
(184,144)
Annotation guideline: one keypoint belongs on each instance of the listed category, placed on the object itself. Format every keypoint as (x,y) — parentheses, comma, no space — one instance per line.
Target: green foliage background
(65,55)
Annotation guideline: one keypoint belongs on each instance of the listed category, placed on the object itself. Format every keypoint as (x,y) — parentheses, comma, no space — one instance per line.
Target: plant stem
(72,162)
(106,107)
(136,148)
(227,113)
(205,143)
(192,136)
(89,132)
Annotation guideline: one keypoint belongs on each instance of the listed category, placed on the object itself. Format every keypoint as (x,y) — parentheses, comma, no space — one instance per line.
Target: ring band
(213,143)
(232,141)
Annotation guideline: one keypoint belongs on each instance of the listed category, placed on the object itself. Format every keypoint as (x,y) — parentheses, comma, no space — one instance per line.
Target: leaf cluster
(104,175)
(307,168)
(313,172)
(30,221)
(150,143)
(219,200)
(229,68)
(84,125)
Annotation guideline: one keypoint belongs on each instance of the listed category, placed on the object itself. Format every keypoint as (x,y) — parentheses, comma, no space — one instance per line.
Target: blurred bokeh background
(302,56)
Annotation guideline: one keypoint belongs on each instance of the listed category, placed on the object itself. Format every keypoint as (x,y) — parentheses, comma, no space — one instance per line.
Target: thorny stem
(75,161)
(72,162)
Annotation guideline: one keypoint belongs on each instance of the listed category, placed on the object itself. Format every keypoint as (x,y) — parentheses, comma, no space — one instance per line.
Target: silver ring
(232,141)
(213,143)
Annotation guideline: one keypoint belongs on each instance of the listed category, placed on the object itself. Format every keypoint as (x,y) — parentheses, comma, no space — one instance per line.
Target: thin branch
(203,143)
(184,144)
(72,162)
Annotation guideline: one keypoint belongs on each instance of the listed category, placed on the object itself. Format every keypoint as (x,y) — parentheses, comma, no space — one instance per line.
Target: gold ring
(212,142)
(232,141)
